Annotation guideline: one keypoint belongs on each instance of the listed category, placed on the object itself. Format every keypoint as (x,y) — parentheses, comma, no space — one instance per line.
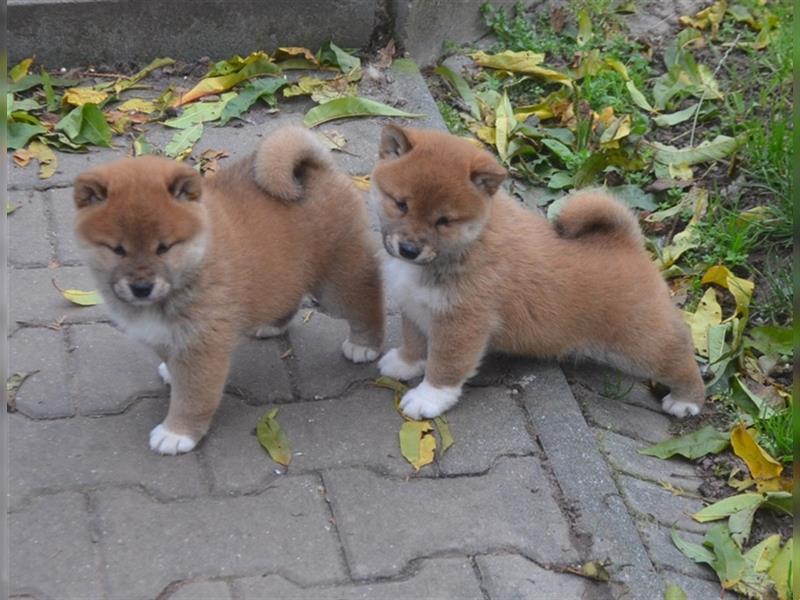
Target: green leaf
(49,92)
(739,510)
(558,181)
(444,431)
(330,54)
(20,70)
(691,445)
(584,27)
(95,129)
(781,570)
(560,150)
(255,64)
(181,143)
(590,168)
(86,124)
(761,555)
(200,112)
(272,438)
(261,88)
(20,133)
(462,87)
(677,117)
(716,149)
(638,97)
(10,208)
(674,592)
(128,82)
(698,553)
(728,561)
(633,196)
(142,146)
(345,108)
(771,340)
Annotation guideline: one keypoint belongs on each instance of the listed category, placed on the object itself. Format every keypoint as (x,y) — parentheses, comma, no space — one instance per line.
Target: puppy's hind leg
(353,291)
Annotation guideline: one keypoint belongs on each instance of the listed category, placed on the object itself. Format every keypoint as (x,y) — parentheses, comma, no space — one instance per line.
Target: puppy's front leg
(456,346)
(407,361)
(198,378)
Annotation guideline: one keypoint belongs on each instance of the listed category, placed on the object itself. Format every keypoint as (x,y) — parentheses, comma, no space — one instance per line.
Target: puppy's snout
(409,251)
(141,289)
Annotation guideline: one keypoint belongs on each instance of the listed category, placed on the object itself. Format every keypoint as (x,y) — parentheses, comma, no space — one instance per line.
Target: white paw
(163,372)
(270,331)
(393,365)
(163,441)
(358,354)
(428,401)
(679,408)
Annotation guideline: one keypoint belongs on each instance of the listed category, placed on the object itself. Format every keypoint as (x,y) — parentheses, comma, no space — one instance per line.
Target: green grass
(775,435)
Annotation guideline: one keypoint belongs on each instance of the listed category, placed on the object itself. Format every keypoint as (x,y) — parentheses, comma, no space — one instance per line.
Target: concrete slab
(44,394)
(385,523)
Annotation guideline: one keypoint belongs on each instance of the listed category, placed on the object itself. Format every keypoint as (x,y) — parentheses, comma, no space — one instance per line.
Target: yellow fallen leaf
(273,439)
(680,171)
(137,105)
(80,297)
(83,95)
(765,470)
(742,289)
(711,16)
(616,130)
(362,182)
(48,162)
(525,62)
(503,126)
(293,51)
(708,313)
(485,133)
(417,443)
(689,237)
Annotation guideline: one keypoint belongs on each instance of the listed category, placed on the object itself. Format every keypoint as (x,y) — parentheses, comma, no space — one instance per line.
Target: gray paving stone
(62,210)
(699,589)
(486,423)
(436,579)
(101,351)
(28,240)
(33,299)
(657,538)
(600,515)
(258,373)
(322,371)
(385,523)
(202,590)
(621,453)
(44,394)
(661,504)
(610,383)
(78,452)
(514,577)
(626,419)
(52,550)
(148,544)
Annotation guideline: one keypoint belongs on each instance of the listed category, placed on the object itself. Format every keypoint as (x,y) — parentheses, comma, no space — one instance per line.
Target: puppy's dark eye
(162,248)
(442,222)
(402,206)
(119,250)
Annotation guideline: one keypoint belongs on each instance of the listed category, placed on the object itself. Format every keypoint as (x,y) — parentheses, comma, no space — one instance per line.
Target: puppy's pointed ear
(186,185)
(394,142)
(89,190)
(487,176)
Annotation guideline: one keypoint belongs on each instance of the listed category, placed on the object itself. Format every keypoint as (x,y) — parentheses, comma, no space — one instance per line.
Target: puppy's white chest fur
(151,328)
(418,301)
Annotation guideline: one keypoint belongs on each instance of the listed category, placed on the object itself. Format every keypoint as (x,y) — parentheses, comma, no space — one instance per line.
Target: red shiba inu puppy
(473,271)
(189,264)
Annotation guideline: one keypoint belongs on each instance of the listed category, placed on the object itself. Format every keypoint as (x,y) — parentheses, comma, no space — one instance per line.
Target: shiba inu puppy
(189,264)
(473,271)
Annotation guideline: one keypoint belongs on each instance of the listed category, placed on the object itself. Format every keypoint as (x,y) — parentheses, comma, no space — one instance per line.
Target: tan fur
(501,278)
(238,257)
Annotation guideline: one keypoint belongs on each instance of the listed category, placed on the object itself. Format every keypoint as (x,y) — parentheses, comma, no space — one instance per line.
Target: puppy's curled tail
(593,212)
(285,161)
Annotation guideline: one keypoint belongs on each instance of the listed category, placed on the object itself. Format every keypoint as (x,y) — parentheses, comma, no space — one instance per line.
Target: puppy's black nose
(409,251)
(141,290)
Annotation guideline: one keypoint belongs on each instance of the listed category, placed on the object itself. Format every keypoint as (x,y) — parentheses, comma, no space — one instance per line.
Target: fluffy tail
(286,159)
(593,212)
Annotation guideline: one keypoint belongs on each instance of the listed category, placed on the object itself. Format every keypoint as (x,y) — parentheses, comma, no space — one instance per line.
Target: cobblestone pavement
(543,475)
